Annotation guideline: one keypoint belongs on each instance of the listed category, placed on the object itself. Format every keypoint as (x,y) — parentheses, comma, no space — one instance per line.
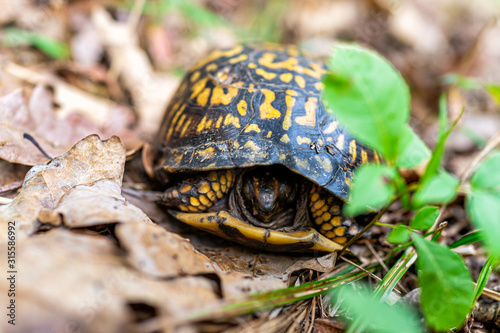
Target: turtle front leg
(326,213)
(197,194)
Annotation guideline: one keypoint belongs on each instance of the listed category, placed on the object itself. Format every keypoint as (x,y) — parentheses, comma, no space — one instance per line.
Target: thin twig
(361,268)
(490,145)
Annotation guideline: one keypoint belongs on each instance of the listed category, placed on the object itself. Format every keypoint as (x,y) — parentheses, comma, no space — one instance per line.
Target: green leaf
(443,115)
(494,90)
(447,287)
(399,235)
(424,218)
(473,237)
(377,316)
(483,208)
(483,202)
(412,151)
(487,175)
(369,97)
(46,44)
(440,189)
(483,277)
(370,179)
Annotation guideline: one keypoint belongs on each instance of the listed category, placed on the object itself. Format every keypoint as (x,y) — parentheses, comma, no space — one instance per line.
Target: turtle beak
(223,224)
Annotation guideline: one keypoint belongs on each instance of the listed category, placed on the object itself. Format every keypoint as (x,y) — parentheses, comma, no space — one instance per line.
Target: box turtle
(248,151)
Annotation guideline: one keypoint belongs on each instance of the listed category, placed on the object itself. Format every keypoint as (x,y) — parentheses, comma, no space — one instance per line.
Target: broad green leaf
(494,90)
(483,208)
(447,287)
(412,151)
(399,235)
(483,202)
(377,316)
(424,218)
(439,189)
(487,174)
(368,96)
(372,188)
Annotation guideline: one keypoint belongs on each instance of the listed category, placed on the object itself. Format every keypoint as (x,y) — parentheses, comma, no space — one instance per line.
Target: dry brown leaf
(79,114)
(96,204)
(11,173)
(15,120)
(81,282)
(89,161)
(157,252)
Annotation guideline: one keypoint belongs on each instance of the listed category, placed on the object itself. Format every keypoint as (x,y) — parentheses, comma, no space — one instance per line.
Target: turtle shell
(258,105)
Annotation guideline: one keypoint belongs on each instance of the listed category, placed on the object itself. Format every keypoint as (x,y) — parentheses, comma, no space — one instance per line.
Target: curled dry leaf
(157,252)
(82,282)
(96,204)
(89,161)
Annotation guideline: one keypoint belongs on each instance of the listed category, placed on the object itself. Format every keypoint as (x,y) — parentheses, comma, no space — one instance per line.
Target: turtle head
(266,193)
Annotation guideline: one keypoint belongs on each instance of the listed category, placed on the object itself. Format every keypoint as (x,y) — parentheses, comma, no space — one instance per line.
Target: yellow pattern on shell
(241,57)
(340,142)
(252,146)
(331,127)
(267,111)
(252,127)
(218,54)
(219,121)
(301,140)
(287,121)
(310,118)
(285,138)
(325,163)
(186,126)
(230,119)
(264,74)
(352,150)
(219,97)
(198,87)
(300,81)
(202,98)
(290,64)
(242,107)
(195,76)
(286,77)
(208,152)
(364,156)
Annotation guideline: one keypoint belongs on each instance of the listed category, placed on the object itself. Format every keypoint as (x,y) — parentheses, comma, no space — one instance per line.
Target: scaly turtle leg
(197,194)
(326,213)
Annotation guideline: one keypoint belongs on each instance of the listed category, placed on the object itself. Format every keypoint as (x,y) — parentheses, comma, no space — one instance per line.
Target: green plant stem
(255,302)
(385,225)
